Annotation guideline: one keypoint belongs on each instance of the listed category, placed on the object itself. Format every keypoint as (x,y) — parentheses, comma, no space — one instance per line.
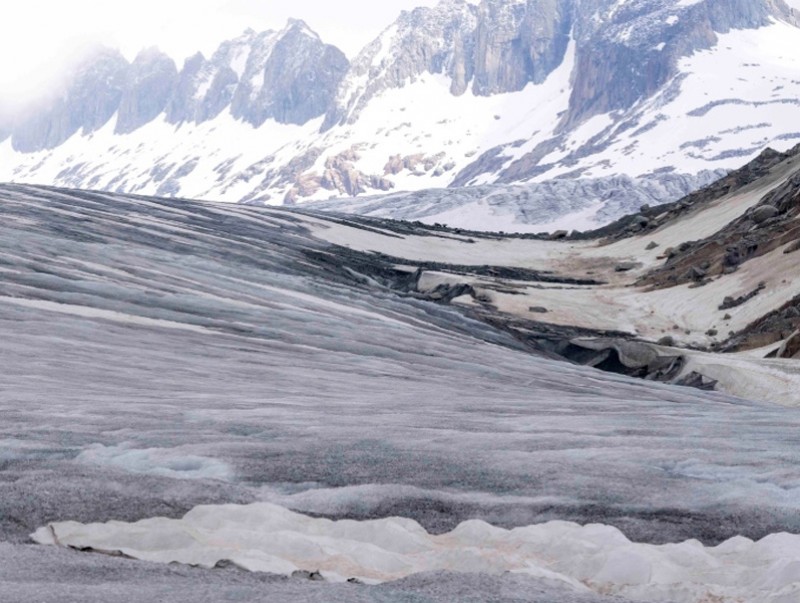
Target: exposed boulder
(763,213)
(696,273)
(697,381)
(632,358)
(733,302)
(791,347)
(445,293)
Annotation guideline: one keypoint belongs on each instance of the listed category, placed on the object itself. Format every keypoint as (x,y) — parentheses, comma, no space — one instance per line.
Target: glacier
(161,355)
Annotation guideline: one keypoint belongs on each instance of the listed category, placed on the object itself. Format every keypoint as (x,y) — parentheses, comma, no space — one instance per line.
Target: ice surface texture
(224,343)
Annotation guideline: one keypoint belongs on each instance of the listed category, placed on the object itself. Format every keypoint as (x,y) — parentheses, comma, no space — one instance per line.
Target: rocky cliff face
(494,47)
(432,40)
(517,43)
(207,87)
(88,101)
(625,51)
(629,51)
(151,82)
(290,76)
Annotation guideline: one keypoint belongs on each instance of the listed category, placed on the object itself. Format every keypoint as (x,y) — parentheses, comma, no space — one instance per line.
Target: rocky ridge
(289,76)
(91,99)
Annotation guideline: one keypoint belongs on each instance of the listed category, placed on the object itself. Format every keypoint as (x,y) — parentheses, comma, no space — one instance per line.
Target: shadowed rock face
(182,104)
(635,53)
(435,40)
(290,76)
(91,98)
(207,86)
(219,96)
(495,47)
(517,44)
(299,78)
(150,85)
(624,51)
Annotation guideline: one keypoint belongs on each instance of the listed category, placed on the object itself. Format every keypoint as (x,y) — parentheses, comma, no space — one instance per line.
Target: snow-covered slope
(461,94)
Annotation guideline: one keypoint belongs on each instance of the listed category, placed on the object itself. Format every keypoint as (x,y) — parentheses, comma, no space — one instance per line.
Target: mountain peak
(151,53)
(151,80)
(88,100)
(298,25)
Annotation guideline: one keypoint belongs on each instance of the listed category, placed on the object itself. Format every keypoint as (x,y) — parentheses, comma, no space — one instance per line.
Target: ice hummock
(265,537)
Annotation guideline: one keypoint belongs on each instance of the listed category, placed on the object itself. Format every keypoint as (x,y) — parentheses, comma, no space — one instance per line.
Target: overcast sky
(36,36)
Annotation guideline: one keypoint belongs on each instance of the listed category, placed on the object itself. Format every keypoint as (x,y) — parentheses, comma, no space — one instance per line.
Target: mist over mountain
(461,94)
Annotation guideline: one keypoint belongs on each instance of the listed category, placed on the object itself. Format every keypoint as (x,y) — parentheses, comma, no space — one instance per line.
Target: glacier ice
(185,330)
(156,461)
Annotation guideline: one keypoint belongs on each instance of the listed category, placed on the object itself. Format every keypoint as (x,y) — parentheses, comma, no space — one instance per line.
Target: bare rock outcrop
(151,81)
(89,100)
(294,78)
(790,347)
